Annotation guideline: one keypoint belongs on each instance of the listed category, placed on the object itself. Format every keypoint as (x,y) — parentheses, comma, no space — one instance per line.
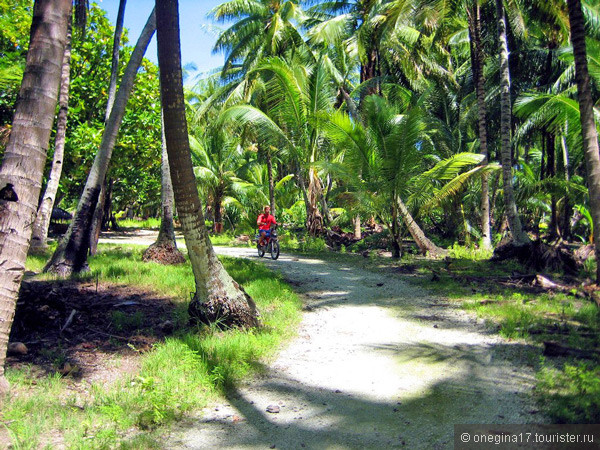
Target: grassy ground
(568,387)
(180,374)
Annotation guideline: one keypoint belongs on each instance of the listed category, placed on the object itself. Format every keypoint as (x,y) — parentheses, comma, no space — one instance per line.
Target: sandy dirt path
(377,363)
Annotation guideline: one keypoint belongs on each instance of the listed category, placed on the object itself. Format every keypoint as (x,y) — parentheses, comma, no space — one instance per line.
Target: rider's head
(267,209)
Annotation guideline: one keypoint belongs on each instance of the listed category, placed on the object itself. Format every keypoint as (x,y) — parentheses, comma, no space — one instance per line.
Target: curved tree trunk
(519,237)
(39,236)
(424,244)
(98,218)
(164,250)
(71,254)
(25,155)
(474,19)
(218,298)
(588,124)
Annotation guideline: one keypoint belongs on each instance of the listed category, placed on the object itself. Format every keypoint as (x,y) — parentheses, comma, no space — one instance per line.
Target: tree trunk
(314,191)
(565,226)
(98,217)
(271,182)
(218,298)
(519,237)
(71,254)
(474,19)
(114,68)
(357,231)
(25,155)
(39,237)
(164,250)
(424,244)
(588,124)
(218,203)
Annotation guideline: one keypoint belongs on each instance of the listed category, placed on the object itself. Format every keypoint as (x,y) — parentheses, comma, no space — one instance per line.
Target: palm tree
(112,90)
(477,66)
(218,297)
(216,156)
(588,124)
(164,249)
(386,150)
(25,155)
(519,236)
(299,96)
(262,28)
(39,235)
(71,254)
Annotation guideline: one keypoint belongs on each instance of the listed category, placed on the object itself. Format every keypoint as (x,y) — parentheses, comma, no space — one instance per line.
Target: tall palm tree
(39,235)
(164,249)
(519,236)
(25,155)
(299,93)
(262,28)
(218,297)
(112,90)
(72,252)
(386,150)
(477,66)
(588,124)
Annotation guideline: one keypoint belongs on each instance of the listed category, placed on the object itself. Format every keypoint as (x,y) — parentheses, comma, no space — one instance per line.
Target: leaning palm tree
(25,155)
(71,254)
(386,151)
(588,124)
(218,297)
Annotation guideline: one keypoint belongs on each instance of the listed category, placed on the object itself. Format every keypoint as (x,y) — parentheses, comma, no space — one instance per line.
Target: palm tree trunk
(271,182)
(39,236)
(98,217)
(218,298)
(474,19)
(588,124)
(114,67)
(164,250)
(25,155)
(519,237)
(424,244)
(71,254)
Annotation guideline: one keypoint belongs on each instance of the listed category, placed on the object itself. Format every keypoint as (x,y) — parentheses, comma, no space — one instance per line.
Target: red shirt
(268,220)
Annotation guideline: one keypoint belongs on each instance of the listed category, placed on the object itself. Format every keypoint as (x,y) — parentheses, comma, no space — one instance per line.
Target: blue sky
(198,33)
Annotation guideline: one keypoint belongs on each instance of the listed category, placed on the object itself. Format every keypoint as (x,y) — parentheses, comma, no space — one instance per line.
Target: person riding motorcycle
(264,222)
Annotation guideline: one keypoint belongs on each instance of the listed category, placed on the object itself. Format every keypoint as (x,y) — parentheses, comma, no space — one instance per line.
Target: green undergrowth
(183,373)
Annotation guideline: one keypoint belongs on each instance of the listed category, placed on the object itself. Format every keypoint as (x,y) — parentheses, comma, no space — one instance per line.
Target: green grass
(182,374)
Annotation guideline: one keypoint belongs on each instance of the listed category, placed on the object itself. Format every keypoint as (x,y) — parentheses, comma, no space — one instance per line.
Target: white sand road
(377,363)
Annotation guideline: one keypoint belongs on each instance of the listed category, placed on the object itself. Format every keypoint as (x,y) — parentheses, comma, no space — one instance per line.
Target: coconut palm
(262,28)
(588,124)
(299,95)
(218,297)
(39,235)
(71,254)
(385,160)
(25,155)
